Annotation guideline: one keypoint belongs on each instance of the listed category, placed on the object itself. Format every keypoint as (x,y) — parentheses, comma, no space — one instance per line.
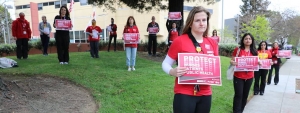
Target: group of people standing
(197,98)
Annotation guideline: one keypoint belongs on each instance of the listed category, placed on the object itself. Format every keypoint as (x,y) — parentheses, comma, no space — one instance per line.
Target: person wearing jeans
(45,29)
(22,33)
(94,32)
(243,79)
(112,35)
(131,48)
(152,40)
(261,74)
(276,64)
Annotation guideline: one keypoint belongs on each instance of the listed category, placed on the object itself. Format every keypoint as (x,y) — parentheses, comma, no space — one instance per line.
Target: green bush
(226,49)
(7,48)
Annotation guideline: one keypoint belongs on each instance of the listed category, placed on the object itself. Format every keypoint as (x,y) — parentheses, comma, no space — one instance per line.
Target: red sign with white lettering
(284,54)
(62,24)
(247,63)
(131,38)
(202,69)
(175,16)
(265,64)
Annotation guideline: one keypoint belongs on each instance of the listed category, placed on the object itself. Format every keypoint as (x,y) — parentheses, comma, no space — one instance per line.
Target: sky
(11,11)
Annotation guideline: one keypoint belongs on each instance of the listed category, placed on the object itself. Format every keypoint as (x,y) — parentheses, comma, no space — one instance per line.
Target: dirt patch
(40,94)
(158,58)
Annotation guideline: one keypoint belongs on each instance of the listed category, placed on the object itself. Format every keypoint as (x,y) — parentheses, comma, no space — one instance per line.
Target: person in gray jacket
(45,30)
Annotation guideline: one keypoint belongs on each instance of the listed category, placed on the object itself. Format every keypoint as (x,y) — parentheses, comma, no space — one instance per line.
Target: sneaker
(66,63)
(61,63)
(133,69)
(129,69)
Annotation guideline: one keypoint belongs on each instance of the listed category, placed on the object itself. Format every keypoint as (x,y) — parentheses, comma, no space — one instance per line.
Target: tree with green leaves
(147,5)
(259,28)
(228,35)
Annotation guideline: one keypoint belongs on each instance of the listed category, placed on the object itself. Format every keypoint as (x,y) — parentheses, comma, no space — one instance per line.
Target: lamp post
(7,29)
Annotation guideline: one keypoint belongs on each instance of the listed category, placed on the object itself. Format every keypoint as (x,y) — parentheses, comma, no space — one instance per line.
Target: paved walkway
(281,98)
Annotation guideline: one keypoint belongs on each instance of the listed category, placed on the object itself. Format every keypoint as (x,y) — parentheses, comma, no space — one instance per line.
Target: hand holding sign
(178,71)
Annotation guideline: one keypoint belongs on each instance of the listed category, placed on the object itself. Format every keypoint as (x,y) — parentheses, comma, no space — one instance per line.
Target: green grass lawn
(146,90)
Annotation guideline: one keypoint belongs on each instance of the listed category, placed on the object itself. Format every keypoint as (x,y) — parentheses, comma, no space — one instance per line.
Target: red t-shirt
(131,29)
(183,44)
(243,74)
(114,30)
(216,38)
(173,35)
(90,30)
(274,52)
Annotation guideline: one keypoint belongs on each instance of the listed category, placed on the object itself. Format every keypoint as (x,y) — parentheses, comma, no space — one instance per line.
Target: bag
(230,70)
(7,63)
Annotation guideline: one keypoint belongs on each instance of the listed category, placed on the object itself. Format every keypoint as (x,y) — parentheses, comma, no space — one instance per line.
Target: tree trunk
(176,7)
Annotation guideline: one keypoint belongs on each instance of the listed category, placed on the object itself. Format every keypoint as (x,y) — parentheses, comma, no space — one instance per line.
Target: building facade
(82,14)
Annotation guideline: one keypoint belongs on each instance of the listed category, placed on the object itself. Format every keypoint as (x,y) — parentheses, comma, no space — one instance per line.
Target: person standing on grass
(173,33)
(45,29)
(62,37)
(152,39)
(215,36)
(261,75)
(243,80)
(22,33)
(186,98)
(130,49)
(276,65)
(112,34)
(94,32)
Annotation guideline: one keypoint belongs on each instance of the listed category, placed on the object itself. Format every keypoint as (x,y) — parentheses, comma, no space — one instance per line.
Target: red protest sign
(265,64)
(202,69)
(62,24)
(248,63)
(175,16)
(131,38)
(153,30)
(284,54)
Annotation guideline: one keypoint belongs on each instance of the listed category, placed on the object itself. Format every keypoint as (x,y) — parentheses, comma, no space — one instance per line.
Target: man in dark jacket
(112,34)
(153,29)
(22,33)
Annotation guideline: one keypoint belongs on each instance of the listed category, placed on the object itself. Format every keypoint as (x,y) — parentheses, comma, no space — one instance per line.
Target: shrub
(226,49)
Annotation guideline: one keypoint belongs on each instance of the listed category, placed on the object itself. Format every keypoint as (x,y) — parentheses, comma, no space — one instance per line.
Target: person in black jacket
(169,25)
(112,34)
(62,37)
(152,37)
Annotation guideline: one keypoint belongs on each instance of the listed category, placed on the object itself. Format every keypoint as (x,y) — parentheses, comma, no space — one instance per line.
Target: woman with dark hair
(191,98)
(62,37)
(215,36)
(276,64)
(173,33)
(243,80)
(130,48)
(263,53)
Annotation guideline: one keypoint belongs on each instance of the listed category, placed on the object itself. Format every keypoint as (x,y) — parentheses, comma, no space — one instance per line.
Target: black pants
(22,48)
(241,92)
(260,75)
(115,42)
(62,39)
(276,78)
(152,41)
(45,43)
(94,49)
(191,104)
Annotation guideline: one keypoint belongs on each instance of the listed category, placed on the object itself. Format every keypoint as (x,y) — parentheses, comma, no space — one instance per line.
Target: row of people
(189,100)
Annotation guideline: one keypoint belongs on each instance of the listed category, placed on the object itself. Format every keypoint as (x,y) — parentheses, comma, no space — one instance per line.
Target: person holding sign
(94,32)
(243,79)
(45,29)
(191,98)
(261,75)
(173,33)
(62,23)
(276,65)
(153,29)
(130,49)
(22,33)
(112,28)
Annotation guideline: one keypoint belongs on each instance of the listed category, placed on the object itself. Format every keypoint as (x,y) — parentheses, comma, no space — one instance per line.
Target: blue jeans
(130,56)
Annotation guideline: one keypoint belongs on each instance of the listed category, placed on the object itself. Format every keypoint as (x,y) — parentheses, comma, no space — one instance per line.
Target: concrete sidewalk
(280,98)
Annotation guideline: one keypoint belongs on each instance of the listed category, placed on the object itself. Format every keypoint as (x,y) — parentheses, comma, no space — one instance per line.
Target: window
(19,7)
(40,6)
(51,3)
(76,0)
(57,4)
(64,3)
(46,4)
(26,6)
(83,2)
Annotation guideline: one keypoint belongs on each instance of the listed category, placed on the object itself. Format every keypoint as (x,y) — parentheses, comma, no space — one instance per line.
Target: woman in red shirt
(130,48)
(263,53)
(243,80)
(94,32)
(215,36)
(191,98)
(173,33)
(276,64)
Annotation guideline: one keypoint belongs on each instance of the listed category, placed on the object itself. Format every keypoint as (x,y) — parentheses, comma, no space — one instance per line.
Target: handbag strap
(238,52)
